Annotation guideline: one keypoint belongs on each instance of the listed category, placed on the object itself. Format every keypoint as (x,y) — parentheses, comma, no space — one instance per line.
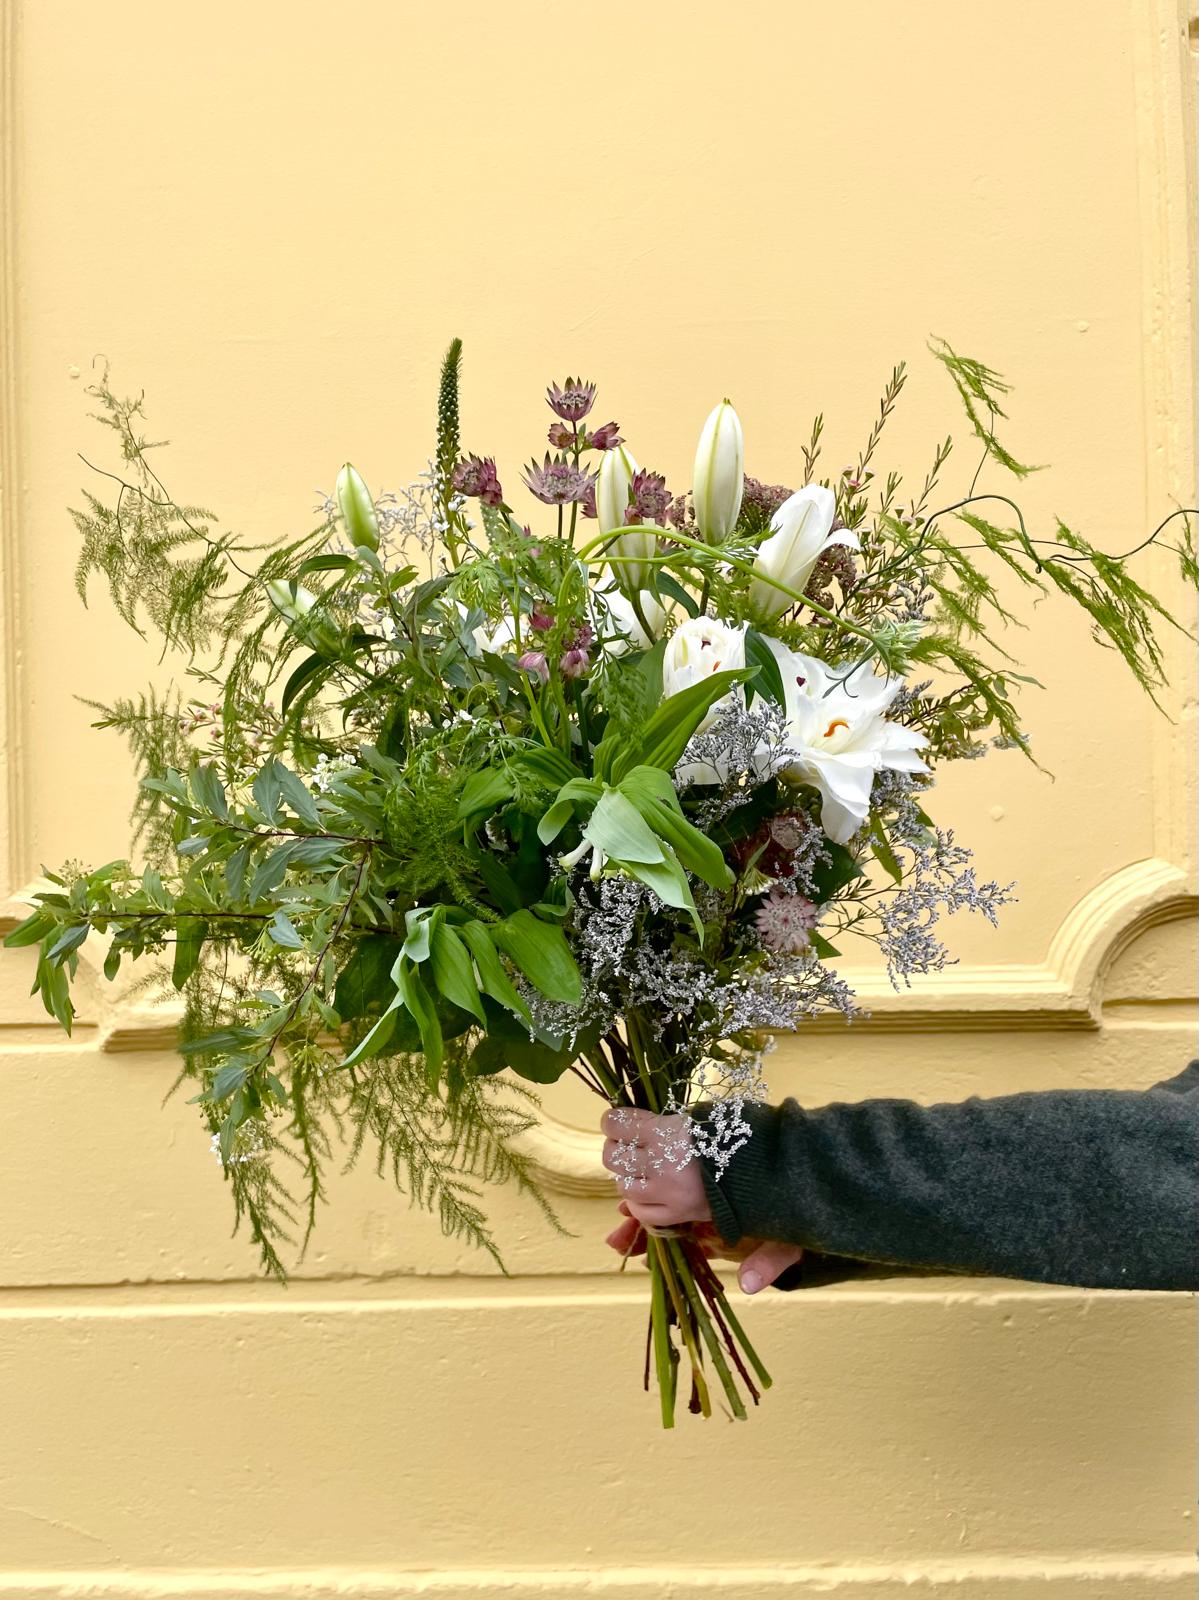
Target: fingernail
(751,1282)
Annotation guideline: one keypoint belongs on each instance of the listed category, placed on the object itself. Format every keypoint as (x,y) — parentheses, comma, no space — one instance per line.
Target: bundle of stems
(690,1315)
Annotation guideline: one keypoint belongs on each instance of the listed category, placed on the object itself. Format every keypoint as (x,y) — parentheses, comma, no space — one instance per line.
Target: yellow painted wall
(273,217)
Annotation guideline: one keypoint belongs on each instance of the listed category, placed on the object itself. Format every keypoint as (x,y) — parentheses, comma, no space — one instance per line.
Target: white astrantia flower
(718,478)
(838,737)
(801,532)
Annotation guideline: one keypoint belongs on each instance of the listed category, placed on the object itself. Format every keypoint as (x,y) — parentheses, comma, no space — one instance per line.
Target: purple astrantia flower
(574,662)
(767,497)
(540,620)
(588,500)
(573,401)
(583,636)
(606,436)
(475,476)
(650,498)
(785,922)
(534,661)
(560,436)
(557,482)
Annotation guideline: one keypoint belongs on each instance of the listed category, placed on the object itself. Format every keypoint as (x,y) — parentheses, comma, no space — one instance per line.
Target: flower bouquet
(454,796)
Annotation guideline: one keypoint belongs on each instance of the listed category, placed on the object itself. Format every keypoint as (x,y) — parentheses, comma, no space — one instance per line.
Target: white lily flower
(839,738)
(494,639)
(718,480)
(615,481)
(801,532)
(625,620)
(695,650)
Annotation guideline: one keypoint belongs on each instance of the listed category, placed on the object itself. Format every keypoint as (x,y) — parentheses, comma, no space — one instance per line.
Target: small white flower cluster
(249,1144)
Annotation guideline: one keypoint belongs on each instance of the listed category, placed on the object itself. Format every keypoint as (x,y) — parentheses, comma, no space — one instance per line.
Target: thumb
(763,1265)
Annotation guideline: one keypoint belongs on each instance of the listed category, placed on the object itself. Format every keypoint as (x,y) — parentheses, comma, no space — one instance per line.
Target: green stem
(711,1339)
(663,1355)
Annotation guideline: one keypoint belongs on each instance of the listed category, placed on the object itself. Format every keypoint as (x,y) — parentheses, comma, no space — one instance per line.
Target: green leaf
(189,942)
(618,829)
(267,790)
(483,792)
(283,932)
(377,1038)
(209,790)
(31,931)
(669,585)
(507,1045)
(416,997)
(329,562)
(235,872)
(560,812)
(832,873)
(69,939)
(297,795)
(669,882)
(540,951)
(821,946)
(769,680)
(672,724)
(493,980)
(881,847)
(652,791)
(307,669)
(365,981)
(450,965)
(228,1081)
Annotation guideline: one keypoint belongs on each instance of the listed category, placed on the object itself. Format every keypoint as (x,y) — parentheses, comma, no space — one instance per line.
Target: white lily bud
(612,490)
(718,481)
(357,509)
(305,617)
(290,599)
(801,532)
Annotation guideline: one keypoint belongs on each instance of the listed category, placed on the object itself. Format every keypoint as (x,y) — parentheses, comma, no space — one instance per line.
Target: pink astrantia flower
(574,662)
(534,661)
(588,500)
(606,436)
(540,620)
(560,436)
(573,401)
(475,476)
(650,498)
(556,482)
(785,922)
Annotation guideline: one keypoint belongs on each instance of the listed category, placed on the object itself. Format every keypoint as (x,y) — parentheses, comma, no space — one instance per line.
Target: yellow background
(273,218)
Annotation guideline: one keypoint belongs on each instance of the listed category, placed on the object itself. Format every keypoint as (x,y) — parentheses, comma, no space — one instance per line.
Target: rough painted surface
(274,219)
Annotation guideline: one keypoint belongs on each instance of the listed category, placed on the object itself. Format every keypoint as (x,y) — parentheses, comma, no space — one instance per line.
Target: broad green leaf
(540,951)
(483,792)
(560,812)
(330,562)
(420,923)
(209,790)
(297,795)
(307,669)
(267,790)
(835,868)
(189,942)
(493,980)
(31,931)
(452,971)
(672,724)
(618,829)
(821,946)
(365,981)
(881,846)
(283,932)
(377,1038)
(769,680)
(507,1045)
(69,939)
(669,882)
(419,1001)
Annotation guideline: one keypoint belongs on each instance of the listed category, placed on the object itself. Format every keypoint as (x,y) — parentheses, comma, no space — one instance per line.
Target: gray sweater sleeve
(1094,1187)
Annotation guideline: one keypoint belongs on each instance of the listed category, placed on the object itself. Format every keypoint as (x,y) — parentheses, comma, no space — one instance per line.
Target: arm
(1091,1187)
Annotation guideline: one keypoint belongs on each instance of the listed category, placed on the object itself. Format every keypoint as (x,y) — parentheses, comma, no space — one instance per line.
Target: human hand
(645,1151)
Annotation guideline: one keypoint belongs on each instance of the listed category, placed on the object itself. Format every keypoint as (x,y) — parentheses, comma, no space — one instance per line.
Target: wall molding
(987,1578)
